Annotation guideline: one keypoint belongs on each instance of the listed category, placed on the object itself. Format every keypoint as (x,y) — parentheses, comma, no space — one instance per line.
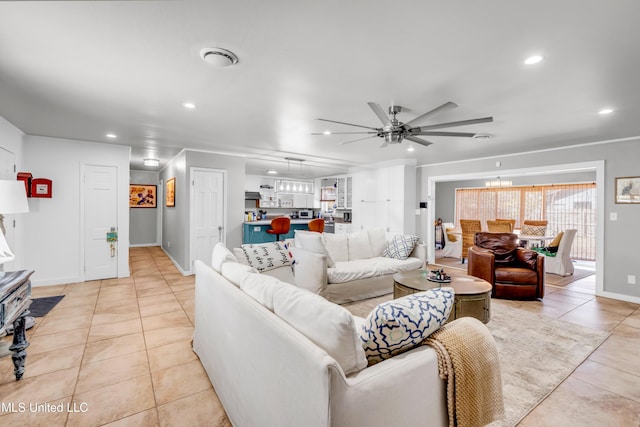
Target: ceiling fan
(394,131)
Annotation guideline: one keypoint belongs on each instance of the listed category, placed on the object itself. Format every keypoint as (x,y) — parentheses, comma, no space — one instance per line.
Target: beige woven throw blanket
(468,361)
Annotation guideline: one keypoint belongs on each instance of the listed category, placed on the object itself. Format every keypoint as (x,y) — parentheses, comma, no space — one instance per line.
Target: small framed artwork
(170,199)
(142,196)
(628,189)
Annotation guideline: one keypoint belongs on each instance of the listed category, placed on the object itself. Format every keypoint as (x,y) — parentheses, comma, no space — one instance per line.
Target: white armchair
(561,264)
(451,249)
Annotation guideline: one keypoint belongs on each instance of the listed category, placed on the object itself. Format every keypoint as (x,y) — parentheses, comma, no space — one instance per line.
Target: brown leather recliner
(514,272)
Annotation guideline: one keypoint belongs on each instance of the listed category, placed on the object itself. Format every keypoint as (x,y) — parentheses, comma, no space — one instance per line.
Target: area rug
(536,352)
(561,281)
(41,306)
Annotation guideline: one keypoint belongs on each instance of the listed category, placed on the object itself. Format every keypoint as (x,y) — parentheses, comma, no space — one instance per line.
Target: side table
(15,299)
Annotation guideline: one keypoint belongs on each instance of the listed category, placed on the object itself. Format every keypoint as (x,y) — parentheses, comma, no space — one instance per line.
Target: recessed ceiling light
(218,57)
(327,132)
(272,172)
(533,59)
(605,111)
(410,148)
(111,135)
(189,105)
(151,162)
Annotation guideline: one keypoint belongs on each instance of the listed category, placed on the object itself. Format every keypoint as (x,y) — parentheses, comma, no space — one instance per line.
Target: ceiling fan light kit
(394,131)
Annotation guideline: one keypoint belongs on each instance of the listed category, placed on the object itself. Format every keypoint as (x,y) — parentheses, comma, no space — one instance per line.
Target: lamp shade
(13,197)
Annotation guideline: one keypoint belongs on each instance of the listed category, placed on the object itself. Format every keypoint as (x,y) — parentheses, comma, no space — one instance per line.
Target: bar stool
(316,225)
(279,225)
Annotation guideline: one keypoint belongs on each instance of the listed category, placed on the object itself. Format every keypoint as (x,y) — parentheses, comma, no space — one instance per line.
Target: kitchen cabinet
(342,228)
(384,196)
(344,192)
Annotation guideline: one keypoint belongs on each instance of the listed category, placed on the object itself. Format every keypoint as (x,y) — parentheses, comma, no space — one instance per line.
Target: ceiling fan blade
(380,113)
(344,133)
(418,140)
(436,133)
(356,140)
(444,107)
(348,124)
(453,124)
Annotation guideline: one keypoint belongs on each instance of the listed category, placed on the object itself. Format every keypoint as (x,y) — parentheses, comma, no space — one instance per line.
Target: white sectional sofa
(351,267)
(278,355)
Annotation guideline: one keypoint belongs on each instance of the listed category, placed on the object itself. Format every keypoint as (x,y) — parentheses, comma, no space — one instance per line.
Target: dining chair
(316,225)
(495,226)
(469,229)
(510,221)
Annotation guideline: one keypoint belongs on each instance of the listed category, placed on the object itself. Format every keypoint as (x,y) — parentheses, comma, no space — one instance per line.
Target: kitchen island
(256,231)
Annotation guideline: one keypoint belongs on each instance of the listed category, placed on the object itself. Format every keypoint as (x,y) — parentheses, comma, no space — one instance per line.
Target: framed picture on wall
(628,189)
(170,199)
(142,196)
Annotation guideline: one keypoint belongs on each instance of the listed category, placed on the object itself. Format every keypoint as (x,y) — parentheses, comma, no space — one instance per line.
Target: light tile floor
(120,350)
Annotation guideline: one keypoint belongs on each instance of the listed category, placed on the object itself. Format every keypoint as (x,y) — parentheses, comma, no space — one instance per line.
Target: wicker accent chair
(469,229)
(498,226)
(510,221)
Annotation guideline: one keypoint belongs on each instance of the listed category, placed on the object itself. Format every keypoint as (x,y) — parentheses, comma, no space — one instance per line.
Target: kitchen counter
(268,221)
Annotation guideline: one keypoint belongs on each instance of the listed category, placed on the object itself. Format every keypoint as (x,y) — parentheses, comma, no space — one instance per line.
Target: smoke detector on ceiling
(218,57)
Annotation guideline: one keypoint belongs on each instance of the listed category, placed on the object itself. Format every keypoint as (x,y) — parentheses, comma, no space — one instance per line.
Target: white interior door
(7,162)
(207,212)
(100,217)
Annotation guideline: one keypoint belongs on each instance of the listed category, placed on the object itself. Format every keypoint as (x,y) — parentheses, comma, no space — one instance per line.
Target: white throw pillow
(221,255)
(265,256)
(398,325)
(235,272)
(359,246)
(330,326)
(377,241)
(337,247)
(400,247)
(312,242)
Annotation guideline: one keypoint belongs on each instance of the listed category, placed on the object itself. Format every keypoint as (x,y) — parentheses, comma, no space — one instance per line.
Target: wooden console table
(15,299)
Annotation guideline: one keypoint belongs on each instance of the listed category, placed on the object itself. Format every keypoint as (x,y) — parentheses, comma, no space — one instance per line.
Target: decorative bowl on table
(438,276)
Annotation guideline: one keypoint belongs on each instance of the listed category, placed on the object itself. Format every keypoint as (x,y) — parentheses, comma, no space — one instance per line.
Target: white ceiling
(82,69)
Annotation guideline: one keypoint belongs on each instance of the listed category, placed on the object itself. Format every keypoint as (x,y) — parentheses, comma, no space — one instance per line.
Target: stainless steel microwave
(305,214)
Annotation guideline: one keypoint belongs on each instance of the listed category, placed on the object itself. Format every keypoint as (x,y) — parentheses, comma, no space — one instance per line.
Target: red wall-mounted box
(26,178)
(41,187)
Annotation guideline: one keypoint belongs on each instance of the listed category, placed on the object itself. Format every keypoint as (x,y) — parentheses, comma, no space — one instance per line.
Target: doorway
(100,215)
(208,222)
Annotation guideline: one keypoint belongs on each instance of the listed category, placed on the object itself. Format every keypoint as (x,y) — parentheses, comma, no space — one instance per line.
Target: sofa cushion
(265,256)
(398,325)
(312,242)
(359,246)
(372,267)
(235,271)
(401,246)
(337,247)
(330,326)
(261,288)
(377,241)
(221,255)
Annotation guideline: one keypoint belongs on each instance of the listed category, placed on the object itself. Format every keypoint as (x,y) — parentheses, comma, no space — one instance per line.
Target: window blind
(564,206)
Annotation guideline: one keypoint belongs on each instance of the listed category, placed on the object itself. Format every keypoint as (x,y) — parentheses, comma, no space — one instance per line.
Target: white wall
(143,222)
(52,236)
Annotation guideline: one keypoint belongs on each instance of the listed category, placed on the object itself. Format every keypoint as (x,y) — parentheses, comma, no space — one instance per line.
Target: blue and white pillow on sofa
(399,325)
(265,256)
(400,247)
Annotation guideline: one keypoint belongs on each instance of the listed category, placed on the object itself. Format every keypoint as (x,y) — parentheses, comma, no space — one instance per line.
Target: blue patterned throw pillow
(266,256)
(399,325)
(400,247)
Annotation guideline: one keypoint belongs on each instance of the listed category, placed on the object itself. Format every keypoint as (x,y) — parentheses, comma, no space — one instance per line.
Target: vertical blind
(564,206)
